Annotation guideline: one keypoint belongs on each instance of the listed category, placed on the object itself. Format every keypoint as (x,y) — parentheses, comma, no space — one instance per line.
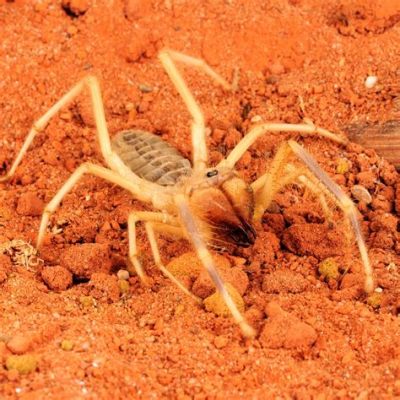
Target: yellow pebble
(374,300)
(123,286)
(342,166)
(216,304)
(329,269)
(23,364)
(67,345)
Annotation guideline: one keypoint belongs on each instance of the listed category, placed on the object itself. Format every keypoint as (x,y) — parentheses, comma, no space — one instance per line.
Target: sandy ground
(82,334)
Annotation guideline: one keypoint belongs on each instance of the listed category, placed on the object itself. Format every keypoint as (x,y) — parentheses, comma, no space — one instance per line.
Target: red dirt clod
(57,278)
(76,7)
(21,343)
(284,282)
(83,260)
(30,205)
(283,330)
(104,287)
(314,239)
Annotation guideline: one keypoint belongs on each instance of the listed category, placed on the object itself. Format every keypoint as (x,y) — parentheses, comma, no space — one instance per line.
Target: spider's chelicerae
(204,205)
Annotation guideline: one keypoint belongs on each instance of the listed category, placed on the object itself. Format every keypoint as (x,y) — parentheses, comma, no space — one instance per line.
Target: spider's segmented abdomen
(150,157)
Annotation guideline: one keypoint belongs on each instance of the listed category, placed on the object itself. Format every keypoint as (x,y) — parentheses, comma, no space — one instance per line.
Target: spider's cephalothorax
(207,206)
(225,204)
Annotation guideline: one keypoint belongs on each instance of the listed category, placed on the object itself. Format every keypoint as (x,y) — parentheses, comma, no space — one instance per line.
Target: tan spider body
(208,206)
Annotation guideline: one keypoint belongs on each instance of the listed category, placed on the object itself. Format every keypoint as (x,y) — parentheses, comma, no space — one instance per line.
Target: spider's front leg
(154,221)
(268,185)
(194,234)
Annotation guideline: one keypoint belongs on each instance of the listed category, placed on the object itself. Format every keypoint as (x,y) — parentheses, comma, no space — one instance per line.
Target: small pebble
(123,286)
(371,81)
(360,193)
(67,345)
(220,341)
(30,205)
(20,344)
(123,274)
(23,364)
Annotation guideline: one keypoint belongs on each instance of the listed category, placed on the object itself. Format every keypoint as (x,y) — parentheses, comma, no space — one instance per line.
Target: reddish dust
(91,336)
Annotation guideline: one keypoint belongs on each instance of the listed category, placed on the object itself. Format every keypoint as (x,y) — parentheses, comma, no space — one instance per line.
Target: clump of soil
(73,327)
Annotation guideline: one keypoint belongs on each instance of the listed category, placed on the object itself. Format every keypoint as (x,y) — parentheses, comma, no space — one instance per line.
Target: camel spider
(196,202)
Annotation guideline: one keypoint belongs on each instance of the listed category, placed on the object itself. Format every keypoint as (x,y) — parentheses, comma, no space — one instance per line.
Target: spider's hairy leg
(140,192)
(159,221)
(204,255)
(157,259)
(260,130)
(281,174)
(167,58)
(92,84)
(268,185)
(345,204)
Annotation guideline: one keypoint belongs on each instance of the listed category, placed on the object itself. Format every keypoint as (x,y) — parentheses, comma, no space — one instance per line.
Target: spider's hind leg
(326,190)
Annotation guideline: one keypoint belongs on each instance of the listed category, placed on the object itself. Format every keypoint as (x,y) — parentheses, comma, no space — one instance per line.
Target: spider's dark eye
(212,173)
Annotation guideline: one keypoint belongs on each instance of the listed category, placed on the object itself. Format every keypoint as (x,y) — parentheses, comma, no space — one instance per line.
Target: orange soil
(317,340)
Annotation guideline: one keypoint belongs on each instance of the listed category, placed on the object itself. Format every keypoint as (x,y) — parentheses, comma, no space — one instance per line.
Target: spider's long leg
(204,255)
(167,58)
(344,202)
(141,193)
(92,84)
(259,130)
(322,185)
(145,216)
(157,259)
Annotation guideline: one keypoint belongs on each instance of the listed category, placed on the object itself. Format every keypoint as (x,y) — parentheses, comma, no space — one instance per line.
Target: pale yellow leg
(193,232)
(345,204)
(91,82)
(135,217)
(260,130)
(157,259)
(266,187)
(139,192)
(167,58)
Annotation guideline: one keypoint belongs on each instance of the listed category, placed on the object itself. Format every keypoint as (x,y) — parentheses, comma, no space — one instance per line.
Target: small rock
(83,260)
(56,278)
(23,364)
(316,240)
(104,287)
(366,179)
(136,9)
(220,341)
(123,286)
(123,274)
(285,330)
(20,344)
(67,345)
(75,7)
(216,304)
(284,282)
(30,205)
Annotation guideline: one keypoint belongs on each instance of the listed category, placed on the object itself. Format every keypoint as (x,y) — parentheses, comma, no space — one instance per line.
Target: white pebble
(371,81)
(123,274)
(360,193)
